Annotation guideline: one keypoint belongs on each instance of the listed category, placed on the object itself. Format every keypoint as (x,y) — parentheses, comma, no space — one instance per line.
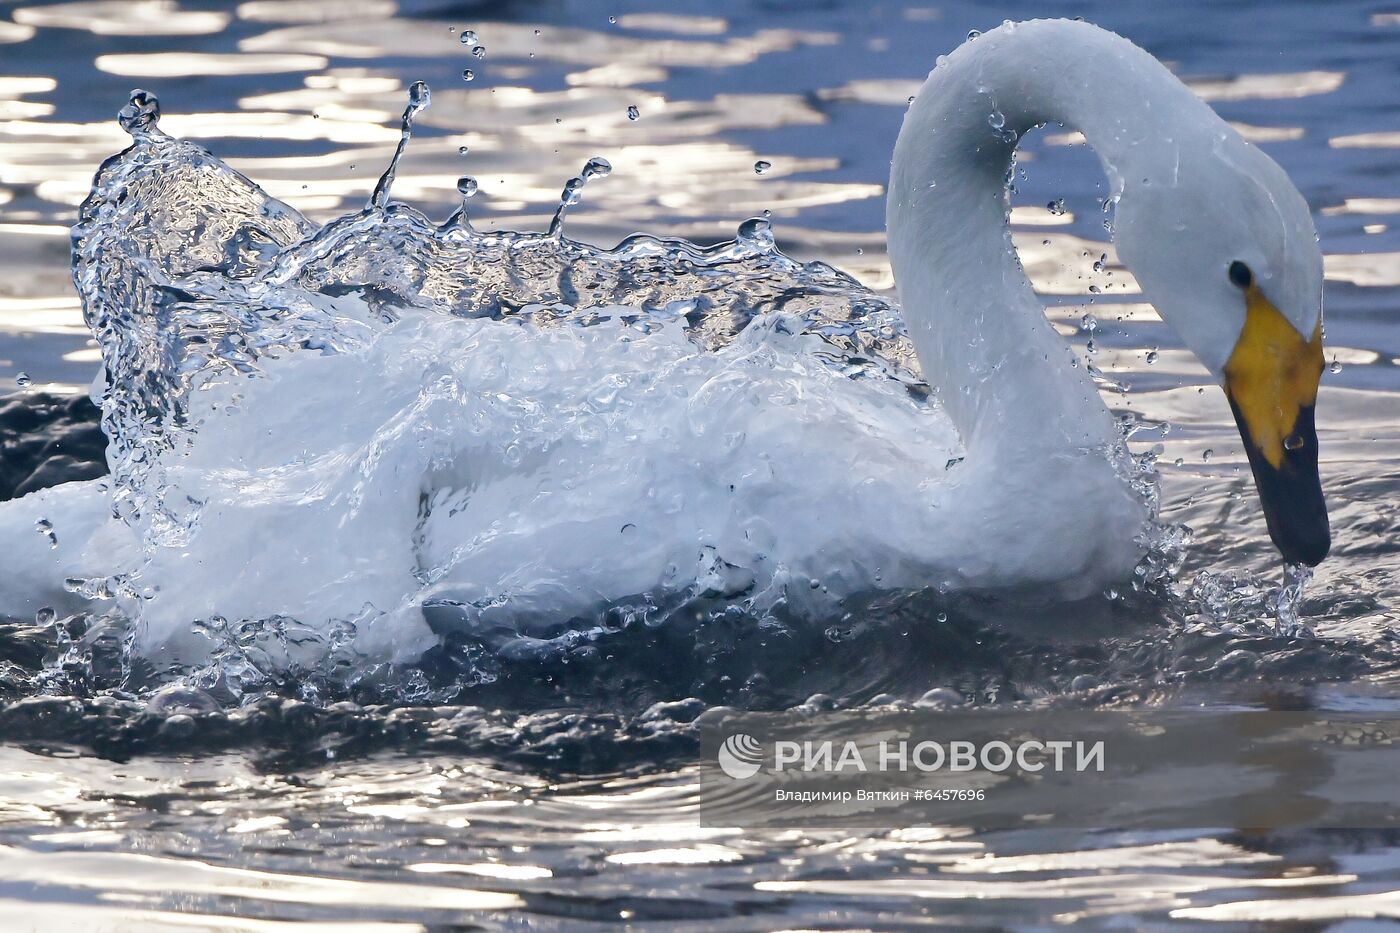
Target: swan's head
(1224,247)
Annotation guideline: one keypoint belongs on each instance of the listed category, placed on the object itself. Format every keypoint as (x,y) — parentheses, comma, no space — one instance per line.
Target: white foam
(537,475)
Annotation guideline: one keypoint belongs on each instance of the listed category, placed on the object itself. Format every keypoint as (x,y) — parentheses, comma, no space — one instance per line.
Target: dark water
(560,794)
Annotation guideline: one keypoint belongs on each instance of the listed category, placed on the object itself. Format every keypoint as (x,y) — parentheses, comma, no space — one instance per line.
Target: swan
(1219,239)
(754,472)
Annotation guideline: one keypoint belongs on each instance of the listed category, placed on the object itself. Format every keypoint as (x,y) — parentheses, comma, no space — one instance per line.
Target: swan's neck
(980,332)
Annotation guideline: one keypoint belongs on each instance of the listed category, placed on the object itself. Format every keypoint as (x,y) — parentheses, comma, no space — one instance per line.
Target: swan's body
(752,472)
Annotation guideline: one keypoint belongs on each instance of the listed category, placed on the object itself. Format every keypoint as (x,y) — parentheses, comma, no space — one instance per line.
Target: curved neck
(980,332)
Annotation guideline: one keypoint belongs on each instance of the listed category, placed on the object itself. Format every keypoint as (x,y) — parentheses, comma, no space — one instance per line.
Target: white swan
(755,471)
(1220,240)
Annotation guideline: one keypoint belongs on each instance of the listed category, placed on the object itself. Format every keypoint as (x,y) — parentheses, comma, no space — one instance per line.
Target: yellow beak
(1271,380)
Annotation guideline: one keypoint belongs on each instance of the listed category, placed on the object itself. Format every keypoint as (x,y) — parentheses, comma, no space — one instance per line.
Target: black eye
(1240,276)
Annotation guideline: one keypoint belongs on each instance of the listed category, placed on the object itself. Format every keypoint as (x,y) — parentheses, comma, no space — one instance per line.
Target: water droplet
(537,32)
(613,20)
(996,119)
(23,380)
(754,226)
(45,528)
(1151,357)
(1293,442)
(1207,454)
(1336,367)
(141,112)
(468,37)
(462,150)
(597,167)
(761,167)
(1056,207)
(1101,262)
(468,74)
(939,697)
(633,113)
(1089,323)
(467,186)
(757,232)
(479,52)
(973,34)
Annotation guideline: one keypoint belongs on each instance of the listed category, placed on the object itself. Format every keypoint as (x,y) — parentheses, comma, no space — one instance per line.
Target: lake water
(559,795)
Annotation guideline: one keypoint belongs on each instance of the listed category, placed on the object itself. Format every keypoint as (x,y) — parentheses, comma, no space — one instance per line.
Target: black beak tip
(1294,509)
(1303,547)
(1291,494)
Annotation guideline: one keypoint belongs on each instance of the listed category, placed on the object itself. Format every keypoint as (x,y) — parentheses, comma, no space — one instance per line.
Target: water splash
(141,113)
(1288,600)
(419,98)
(224,283)
(161,212)
(596,167)
(467,188)
(202,316)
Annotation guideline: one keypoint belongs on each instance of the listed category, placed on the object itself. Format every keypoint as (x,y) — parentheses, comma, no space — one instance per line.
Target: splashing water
(419,97)
(596,167)
(400,430)
(228,297)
